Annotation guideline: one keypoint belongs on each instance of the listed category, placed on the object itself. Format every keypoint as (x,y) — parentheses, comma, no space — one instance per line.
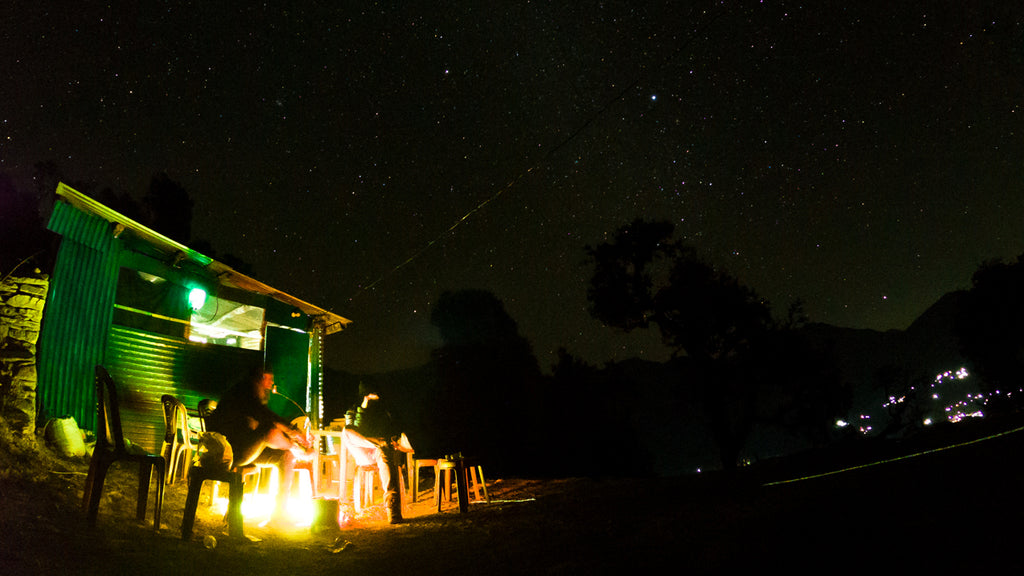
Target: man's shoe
(393,507)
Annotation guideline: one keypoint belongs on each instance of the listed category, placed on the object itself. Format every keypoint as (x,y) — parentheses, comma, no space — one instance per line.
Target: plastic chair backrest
(170,417)
(108,414)
(206,407)
(176,421)
(181,423)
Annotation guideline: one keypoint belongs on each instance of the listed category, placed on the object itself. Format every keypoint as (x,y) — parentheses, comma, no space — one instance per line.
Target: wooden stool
(363,486)
(414,470)
(469,478)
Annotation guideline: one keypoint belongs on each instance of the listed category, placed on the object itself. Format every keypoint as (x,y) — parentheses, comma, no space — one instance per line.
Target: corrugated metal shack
(164,319)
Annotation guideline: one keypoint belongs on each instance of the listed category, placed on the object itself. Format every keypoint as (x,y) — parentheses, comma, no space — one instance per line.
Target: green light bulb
(196,298)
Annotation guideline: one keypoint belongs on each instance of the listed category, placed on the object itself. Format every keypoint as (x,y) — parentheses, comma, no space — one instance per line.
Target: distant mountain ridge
(928,347)
(658,406)
(928,344)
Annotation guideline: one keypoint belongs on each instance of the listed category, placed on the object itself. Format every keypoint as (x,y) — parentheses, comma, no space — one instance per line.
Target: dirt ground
(529,526)
(944,510)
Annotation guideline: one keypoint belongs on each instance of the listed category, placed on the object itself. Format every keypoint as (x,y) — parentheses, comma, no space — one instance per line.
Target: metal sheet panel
(145,366)
(77,315)
(85,229)
(77,333)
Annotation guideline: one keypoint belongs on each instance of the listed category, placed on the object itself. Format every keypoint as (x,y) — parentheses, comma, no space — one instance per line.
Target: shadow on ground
(941,509)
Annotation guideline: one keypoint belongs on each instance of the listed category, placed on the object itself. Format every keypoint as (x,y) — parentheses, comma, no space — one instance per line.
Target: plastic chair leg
(145,470)
(443,486)
(161,474)
(477,486)
(235,494)
(94,488)
(188,518)
(236,491)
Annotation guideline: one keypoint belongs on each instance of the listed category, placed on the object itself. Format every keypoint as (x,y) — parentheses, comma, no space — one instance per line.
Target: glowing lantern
(196,298)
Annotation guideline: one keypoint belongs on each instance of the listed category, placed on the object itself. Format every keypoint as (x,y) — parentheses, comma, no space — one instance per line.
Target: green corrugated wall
(77,315)
(146,366)
(77,334)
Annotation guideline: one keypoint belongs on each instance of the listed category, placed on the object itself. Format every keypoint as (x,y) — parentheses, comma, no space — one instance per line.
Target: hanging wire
(896,459)
(543,160)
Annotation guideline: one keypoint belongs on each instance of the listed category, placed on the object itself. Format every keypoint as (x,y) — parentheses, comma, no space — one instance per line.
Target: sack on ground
(65,433)
(214,452)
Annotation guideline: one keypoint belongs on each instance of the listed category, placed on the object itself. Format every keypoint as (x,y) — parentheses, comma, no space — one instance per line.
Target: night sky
(864,156)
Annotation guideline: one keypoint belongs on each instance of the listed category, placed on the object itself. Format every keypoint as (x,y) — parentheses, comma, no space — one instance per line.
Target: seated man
(371,438)
(257,434)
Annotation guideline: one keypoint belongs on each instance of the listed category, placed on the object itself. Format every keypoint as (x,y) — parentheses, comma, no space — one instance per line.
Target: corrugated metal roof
(77,331)
(227,276)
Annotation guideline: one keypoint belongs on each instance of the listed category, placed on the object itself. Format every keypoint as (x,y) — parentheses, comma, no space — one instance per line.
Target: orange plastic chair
(364,483)
(111,447)
(415,464)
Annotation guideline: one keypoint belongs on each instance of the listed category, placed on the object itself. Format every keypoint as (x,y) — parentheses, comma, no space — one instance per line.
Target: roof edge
(226,275)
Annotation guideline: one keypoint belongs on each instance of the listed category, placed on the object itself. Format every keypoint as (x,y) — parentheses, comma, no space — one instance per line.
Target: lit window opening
(227,323)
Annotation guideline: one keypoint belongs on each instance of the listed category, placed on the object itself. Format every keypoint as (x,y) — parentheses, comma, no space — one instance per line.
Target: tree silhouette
(170,208)
(203,246)
(988,325)
(486,374)
(22,235)
(802,390)
(579,400)
(123,203)
(166,208)
(643,277)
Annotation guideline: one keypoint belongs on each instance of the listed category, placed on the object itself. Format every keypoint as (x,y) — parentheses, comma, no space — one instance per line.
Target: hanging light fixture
(196,298)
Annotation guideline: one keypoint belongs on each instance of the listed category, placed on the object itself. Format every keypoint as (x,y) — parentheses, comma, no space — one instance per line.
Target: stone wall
(21,313)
